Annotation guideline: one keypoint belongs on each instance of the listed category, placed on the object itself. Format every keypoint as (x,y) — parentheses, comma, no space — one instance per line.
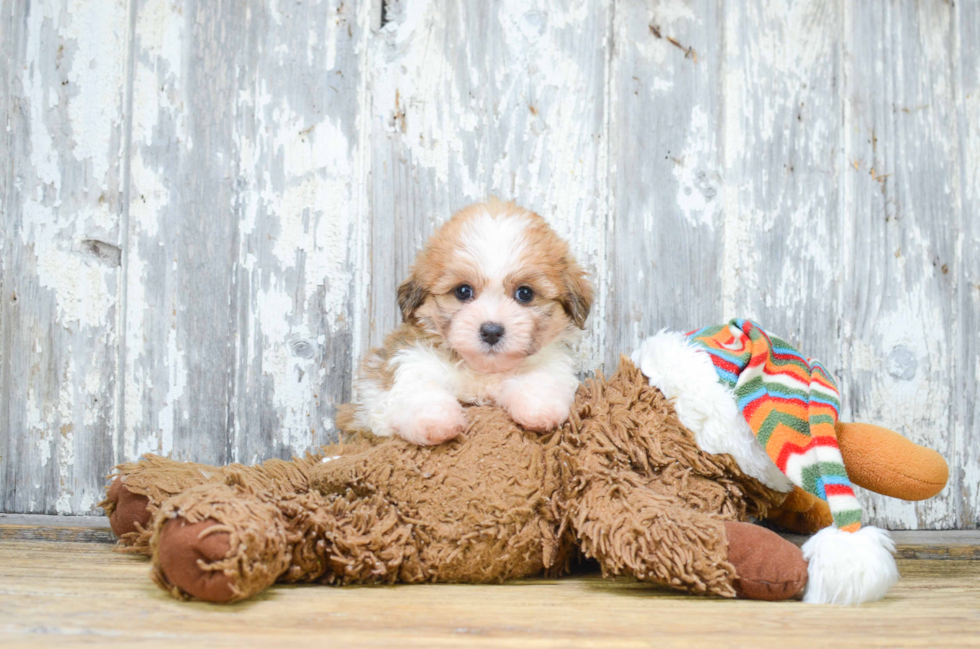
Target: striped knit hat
(791,404)
(749,394)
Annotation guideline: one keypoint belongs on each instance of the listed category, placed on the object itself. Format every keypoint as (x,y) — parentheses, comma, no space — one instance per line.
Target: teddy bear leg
(631,530)
(368,542)
(224,543)
(658,538)
(218,543)
(137,491)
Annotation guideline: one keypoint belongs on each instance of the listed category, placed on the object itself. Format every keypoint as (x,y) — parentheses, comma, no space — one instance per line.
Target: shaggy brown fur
(623,481)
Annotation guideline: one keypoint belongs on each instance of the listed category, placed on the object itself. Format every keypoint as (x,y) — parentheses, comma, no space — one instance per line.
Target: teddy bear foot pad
(768,566)
(184,548)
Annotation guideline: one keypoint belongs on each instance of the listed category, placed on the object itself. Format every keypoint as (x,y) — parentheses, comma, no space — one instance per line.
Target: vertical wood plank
(901,217)
(64,129)
(430,75)
(299,137)
(183,232)
(8,58)
(966,362)
(782,160)
(547,129)
(243,206)
(665,170)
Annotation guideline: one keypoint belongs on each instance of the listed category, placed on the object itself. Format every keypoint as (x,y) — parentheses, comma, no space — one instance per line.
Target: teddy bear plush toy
(656,475)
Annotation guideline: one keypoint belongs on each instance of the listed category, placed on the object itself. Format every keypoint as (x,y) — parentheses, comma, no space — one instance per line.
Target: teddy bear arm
(138,489)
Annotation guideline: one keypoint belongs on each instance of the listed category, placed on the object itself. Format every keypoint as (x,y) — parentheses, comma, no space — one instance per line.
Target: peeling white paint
(65,171)
(44,160)
(134,335)
(291,375)
(697,189)
(177,381)
(313,209)
(544,129)
(435,119)
(99,31)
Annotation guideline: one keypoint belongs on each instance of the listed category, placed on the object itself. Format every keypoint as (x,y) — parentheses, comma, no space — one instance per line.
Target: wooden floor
(74,592)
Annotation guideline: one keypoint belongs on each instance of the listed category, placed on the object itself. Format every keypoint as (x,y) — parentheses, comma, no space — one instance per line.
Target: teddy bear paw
(130,511)
(184,553)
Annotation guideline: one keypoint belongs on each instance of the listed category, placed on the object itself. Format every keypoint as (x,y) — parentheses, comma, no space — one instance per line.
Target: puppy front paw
(433,424)
(537,413)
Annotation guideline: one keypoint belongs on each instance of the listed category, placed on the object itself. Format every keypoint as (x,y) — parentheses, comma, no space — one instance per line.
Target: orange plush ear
(885,462)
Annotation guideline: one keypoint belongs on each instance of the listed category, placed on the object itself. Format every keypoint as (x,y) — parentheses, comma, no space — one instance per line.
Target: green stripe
(846,517)
(811,473)
(822,419)
(749,387)
(780,387)
(775,418)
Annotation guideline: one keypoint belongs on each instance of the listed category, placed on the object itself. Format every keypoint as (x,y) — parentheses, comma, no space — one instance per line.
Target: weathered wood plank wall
(208,204)
(63,209)
(966,374)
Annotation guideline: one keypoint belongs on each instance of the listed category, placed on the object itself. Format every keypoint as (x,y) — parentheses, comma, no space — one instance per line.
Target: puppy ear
(411,295)
(577,295)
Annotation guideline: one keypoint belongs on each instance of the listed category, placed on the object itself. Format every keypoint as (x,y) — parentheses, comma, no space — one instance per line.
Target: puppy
(489,310)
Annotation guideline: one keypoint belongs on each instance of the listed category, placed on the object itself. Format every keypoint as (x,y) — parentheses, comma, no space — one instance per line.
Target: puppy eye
(524,294)
(464,292)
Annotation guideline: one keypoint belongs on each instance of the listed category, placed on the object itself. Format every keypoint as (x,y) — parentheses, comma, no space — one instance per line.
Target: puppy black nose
(491,332)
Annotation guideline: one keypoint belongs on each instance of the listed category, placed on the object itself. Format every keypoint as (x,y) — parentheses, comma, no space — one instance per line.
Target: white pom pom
(849,568)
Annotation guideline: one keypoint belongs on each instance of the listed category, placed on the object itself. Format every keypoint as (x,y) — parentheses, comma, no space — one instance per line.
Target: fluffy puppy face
(497,285)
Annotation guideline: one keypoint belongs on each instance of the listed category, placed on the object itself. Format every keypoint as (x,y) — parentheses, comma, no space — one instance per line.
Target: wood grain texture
(243,213)
(40,527)
(966,363)
(6,169)
(181,243)
(901,214)
(65,132)
(781,262)
(207,206)
(83,593)
(665,170)
(929,545)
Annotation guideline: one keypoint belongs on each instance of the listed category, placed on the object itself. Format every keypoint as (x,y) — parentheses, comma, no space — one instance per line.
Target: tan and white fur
(490,309)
